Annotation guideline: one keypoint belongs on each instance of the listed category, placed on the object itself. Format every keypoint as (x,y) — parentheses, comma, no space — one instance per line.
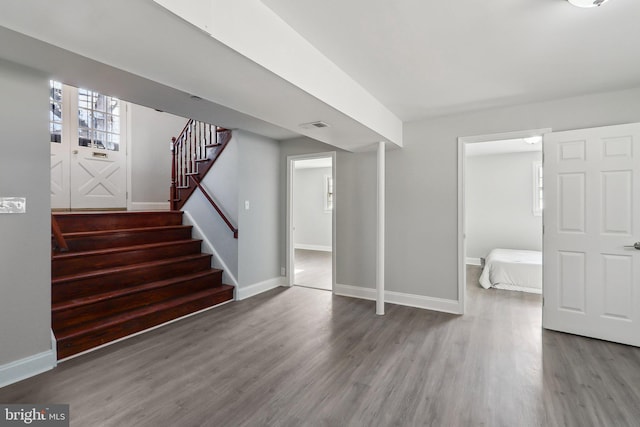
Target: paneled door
(88,165)
(98,160)
(591,223)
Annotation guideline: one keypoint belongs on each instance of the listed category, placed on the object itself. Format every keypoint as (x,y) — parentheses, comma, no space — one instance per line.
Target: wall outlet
(283,271)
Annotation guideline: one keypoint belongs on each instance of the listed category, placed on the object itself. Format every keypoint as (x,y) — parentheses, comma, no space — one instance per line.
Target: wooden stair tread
(107,322)
(78,234)
(92,299)
(132,267)
(110,251)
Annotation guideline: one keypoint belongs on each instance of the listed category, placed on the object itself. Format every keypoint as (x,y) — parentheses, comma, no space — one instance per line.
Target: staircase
(125,272)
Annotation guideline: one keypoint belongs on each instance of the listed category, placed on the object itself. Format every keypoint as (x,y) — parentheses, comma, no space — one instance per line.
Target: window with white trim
(538,193)
(328,193)
(98,120)
(55,111)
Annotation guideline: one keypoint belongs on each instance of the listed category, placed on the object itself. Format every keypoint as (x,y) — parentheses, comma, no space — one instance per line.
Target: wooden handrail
(215,206)
(61,243)
(194,152)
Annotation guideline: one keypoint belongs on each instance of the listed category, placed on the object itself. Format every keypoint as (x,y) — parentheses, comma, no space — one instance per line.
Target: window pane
(114,124)
(98,119)
(113,143)
(55,111)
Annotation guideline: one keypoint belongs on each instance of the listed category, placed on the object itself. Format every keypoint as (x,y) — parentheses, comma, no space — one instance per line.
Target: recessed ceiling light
(587,3)
(533,139)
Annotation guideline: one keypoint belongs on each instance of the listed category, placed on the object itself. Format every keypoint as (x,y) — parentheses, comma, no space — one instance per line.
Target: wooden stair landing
(126,272)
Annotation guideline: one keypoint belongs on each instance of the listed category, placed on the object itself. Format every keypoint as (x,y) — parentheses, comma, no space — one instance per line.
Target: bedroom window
(538,198)
(328,193)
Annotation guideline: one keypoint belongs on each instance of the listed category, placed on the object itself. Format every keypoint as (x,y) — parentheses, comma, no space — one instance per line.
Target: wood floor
(303,357)
(313,269)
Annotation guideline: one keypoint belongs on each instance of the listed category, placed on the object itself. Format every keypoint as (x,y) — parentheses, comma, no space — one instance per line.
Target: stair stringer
(217,261)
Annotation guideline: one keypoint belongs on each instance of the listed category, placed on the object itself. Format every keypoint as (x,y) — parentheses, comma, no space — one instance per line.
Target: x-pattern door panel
(98,179)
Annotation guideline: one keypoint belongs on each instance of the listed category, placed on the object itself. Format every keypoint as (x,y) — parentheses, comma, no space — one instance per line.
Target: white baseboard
(313,247)
(29,366)
(473,261)
(149,206)
(258,288)
(411,300)
(209,248)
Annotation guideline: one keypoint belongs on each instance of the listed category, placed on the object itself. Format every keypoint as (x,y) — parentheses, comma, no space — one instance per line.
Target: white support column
(380,232)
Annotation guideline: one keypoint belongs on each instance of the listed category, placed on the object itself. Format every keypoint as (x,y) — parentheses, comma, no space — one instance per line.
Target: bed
(511,269)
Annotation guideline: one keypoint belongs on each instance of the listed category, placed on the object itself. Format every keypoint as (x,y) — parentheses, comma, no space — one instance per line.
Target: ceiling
(430,58)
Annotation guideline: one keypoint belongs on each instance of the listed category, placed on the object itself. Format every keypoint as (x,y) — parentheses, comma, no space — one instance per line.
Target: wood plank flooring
(303,357)
(313,269)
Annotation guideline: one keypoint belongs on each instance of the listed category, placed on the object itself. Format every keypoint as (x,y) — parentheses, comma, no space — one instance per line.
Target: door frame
(290,250)
(462,229)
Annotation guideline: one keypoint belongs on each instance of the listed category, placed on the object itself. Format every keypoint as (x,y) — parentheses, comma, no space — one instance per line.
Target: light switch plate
(12,205)
(247,205)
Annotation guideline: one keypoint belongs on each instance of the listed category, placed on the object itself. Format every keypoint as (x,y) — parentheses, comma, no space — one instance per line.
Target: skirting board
(410,300)
(313,247)
(149,206)
(258,288)
(473,261)
(29,366)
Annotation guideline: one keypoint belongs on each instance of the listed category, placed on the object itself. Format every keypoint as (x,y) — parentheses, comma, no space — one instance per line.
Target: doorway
(500,214)
(311,213)
(88,149)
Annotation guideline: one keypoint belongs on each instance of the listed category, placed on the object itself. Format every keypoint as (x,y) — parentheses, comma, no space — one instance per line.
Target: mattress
(512,269)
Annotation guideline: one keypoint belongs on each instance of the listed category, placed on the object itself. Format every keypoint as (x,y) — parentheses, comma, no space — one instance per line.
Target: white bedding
(513,270)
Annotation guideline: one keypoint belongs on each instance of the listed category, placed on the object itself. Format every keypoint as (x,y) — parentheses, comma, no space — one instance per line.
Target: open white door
(591,217)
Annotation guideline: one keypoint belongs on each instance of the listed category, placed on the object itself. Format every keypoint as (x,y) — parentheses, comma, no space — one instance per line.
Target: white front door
(591,217)
(88,160)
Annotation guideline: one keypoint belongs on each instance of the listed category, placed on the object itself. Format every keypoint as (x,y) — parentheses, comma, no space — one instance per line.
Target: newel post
(173,190)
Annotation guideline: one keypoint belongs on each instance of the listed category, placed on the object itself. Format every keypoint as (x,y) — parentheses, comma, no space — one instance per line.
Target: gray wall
(25,245)
(151,133)
(259,233)
(312,221)
(221,182)
(499,203)
(422,181)
(355,204)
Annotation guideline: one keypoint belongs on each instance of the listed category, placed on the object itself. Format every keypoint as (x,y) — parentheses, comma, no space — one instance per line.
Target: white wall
(25,245)
(150,136)
(422,181)
(499,203)
(312,220)
(259,227)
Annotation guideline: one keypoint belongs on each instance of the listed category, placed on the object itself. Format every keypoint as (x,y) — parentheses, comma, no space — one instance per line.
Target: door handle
(636,245)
